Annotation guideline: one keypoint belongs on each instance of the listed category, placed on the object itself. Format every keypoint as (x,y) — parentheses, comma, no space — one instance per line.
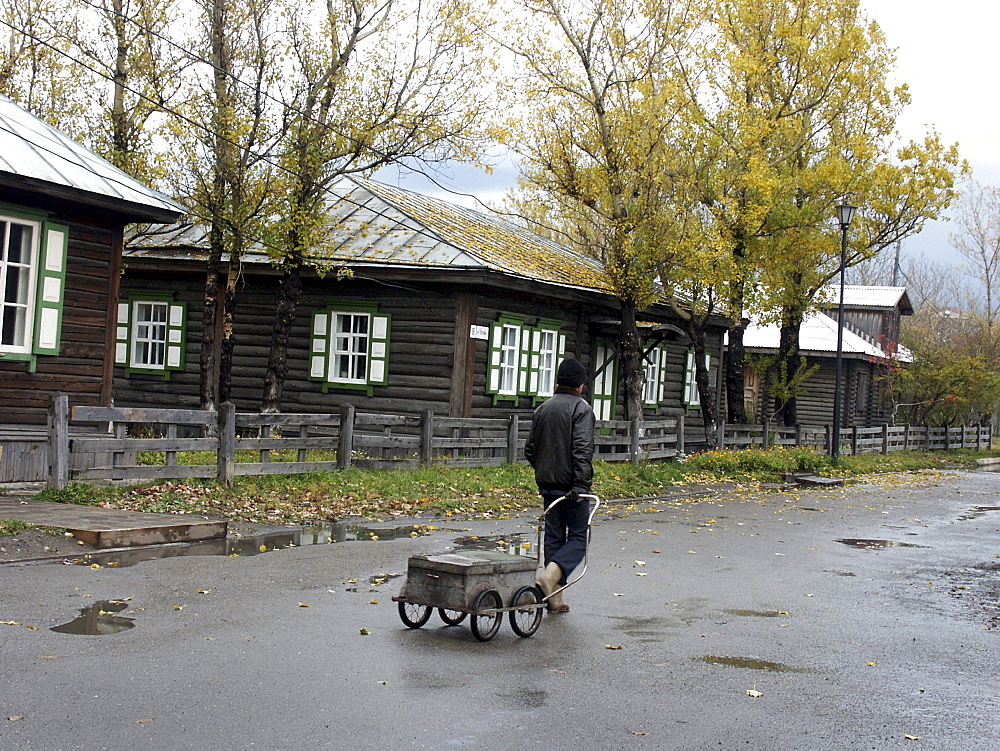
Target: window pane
(349,353)
(546,363)
(149,337)
(508,359)
(15,284)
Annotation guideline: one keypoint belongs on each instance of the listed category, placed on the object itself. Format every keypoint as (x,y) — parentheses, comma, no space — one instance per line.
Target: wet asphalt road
(866,617)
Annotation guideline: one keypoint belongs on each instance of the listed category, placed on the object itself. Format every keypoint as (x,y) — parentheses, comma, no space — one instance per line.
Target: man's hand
(572,496)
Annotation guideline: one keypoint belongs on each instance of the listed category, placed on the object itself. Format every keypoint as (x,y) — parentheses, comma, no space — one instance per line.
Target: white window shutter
(524,360)
(535,356)
(378,350)
(50,291)
(493,365)
(319,348)
(176,335)
(123,328)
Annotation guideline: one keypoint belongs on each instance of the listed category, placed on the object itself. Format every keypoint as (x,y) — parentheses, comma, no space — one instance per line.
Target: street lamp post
(845,212)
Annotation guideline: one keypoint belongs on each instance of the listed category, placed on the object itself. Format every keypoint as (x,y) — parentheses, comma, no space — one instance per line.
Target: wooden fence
(125,445)
(857,440)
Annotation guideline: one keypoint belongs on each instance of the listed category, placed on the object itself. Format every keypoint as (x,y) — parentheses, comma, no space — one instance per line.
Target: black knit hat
(571,373)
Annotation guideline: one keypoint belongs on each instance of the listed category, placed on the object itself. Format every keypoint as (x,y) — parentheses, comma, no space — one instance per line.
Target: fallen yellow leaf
(303,605)
(754,693)
(612,646)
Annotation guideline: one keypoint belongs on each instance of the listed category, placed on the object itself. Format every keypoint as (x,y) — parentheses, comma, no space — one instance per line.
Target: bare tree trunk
(696,331)
(289,291)
(784,371)
(735,377)
(633,372)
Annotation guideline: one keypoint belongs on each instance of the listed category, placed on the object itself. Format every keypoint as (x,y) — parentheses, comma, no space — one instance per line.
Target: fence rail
(116,443)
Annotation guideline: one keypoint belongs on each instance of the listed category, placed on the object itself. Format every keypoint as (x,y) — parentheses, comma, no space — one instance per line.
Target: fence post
(59,441)
(765,434)
(798,435)
(979,436)
(854,440)
(513,427)
(885,438)
(346,444)
(426,436)
(906,437)
(226,454)
(634,434)
(827,440)
(947,438)
(963,435)
(680,434)
(721,441)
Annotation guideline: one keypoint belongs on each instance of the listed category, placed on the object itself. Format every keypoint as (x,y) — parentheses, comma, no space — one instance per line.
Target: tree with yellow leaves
(599,95)
(791,115)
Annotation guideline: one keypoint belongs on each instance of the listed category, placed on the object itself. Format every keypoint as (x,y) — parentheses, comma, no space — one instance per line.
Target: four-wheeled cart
(478,583)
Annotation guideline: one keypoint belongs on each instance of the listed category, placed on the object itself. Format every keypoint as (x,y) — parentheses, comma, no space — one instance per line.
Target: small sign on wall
(479,332)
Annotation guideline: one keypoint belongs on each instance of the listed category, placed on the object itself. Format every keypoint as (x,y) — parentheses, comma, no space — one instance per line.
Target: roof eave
(128,210)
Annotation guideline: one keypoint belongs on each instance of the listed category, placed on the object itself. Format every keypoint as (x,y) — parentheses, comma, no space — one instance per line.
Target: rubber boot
(555,604)
(548,580)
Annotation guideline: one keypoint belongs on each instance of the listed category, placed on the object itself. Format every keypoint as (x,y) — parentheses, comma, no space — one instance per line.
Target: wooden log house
(425,306)
(63,212)
(872,318)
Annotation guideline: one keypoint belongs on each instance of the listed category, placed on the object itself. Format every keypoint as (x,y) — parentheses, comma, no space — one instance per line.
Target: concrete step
(111,528)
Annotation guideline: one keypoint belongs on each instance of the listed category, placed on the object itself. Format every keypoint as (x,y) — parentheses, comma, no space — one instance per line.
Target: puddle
(373,581)
(642,628)
(98,619)
(252,544)
(755,613)
(519,543)
(751,663)
(976,511)
(863,544)
(323,534)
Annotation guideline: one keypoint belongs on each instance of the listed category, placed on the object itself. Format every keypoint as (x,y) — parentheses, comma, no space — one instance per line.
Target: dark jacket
(561,444)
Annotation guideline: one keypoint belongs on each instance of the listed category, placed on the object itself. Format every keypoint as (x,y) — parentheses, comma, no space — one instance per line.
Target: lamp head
(845,212)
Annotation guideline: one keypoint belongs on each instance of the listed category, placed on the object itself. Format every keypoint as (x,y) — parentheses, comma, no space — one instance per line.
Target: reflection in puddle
(755,613)
(862,544)
(98,619)
(751,663)
(976,511)
(519,543)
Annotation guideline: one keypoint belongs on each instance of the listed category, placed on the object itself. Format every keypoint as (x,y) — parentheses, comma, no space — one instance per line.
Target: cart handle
(590,519)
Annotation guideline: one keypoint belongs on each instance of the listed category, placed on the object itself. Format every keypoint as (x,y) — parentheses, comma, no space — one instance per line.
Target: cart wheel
(451,617)
(485,627)
(527,614)
(414,615)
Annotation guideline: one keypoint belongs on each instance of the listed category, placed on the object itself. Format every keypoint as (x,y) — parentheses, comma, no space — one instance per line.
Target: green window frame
(350,347)
(151,334)
(33,254)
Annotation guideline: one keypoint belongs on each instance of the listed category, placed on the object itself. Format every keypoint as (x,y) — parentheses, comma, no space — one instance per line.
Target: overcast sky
(948,55)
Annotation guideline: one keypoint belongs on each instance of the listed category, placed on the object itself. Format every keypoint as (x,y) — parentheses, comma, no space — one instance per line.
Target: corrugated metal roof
(866,296)
(818,334)
(381,224)
(30,148)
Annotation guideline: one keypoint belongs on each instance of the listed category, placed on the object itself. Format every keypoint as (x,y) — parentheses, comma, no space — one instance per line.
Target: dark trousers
(565,531)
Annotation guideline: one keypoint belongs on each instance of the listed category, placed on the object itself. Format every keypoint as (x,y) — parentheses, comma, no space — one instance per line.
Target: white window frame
(355,353)
(547,352)
(28,284)
(510,353)
(149,335)
(651,391)
(691,396)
